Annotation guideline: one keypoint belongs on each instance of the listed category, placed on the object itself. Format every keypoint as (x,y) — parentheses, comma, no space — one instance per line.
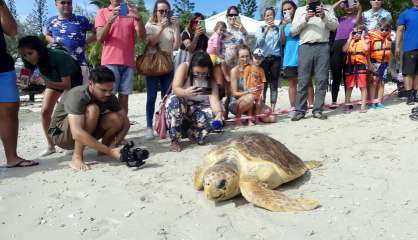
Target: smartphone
(350,3)
(205,90)
(313,5)
(202,24)
(287,15)
(238,19)
(24,77)
(123,8)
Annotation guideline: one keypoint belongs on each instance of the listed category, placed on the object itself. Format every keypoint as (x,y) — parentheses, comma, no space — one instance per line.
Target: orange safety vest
(356,53)
(380,46)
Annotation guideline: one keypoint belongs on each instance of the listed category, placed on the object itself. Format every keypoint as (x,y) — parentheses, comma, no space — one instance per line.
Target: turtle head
(221,182)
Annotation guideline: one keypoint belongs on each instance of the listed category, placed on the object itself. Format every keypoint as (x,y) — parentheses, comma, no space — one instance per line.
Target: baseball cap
(258,52)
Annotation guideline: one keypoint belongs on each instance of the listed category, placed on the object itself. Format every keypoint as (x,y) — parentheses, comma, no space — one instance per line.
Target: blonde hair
(218,25)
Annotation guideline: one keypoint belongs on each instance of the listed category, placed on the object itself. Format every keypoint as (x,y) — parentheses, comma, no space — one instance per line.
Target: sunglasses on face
(69,3)
(357,33)
(200,75)
(232,15)
(162,11)
(375,0)
(385,30)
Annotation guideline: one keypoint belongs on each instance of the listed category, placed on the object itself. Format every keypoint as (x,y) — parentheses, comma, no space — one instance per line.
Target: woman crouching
(194,107)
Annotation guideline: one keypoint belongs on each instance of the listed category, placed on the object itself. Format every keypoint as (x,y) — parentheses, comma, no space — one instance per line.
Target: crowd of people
(210,76)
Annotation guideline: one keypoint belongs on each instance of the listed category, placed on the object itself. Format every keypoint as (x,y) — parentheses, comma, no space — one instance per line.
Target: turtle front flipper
(198,178)
(257,193)
(312,164)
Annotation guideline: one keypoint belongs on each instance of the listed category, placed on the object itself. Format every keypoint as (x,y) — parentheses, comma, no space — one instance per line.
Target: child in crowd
(215,46)
(357,49)
(380,51)
(254,79)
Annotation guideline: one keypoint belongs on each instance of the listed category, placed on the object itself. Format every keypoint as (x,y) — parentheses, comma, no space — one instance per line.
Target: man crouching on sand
(88,113)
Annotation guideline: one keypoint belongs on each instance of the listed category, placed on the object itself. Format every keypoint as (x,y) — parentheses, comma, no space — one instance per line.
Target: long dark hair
(154,12)
(200,59)
(291,3)
(194,17)
(35,43)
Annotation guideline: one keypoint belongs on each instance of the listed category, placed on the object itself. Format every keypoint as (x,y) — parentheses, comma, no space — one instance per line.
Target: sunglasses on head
(69,3)
(232,15)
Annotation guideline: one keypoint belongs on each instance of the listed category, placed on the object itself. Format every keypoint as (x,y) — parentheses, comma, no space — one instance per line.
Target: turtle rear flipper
(257,193)
(312,164)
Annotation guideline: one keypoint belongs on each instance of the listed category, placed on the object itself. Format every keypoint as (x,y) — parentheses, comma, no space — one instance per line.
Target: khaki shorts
(62,137)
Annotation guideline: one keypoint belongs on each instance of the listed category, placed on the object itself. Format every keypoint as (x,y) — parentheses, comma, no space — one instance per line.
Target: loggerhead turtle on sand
(253,165)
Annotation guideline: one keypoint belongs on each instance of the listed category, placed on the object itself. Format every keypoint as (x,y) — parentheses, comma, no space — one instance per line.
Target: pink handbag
(160,123)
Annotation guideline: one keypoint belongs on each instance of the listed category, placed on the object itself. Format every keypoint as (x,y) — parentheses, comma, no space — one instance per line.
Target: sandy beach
(367,185)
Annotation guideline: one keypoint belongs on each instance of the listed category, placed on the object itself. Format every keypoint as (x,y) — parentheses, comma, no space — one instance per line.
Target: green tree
(247,7)
(12,7)
(36,21)
(184,10)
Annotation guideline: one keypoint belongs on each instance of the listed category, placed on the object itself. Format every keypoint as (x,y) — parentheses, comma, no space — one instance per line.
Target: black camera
(134,157)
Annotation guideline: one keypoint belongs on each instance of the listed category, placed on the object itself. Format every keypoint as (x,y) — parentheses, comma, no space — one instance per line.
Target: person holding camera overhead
(313,23)
(163,31)
(116,26)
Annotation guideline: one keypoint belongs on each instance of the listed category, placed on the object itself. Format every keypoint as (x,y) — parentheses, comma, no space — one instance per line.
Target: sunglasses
(200,75)
(163,11)
(69,3)
(232,15)
(385,30)
(357,33)
(375,0)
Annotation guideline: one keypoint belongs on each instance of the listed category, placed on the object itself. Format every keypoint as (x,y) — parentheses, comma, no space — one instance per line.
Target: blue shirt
(271,43)
(71,33)
(291,49)
(372,19)
(409,19)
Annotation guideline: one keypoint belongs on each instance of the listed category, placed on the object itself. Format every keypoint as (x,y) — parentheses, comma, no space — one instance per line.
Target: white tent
(251,25)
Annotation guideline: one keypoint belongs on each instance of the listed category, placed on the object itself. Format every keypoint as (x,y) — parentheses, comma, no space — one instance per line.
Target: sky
(24,7)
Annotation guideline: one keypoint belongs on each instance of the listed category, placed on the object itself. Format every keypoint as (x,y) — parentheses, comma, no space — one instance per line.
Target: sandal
(175,146)
(23,163)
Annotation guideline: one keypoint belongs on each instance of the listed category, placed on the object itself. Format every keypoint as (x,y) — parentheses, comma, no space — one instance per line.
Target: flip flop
(23,163)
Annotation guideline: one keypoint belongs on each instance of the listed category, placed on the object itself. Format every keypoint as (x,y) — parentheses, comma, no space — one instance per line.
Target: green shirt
(75,102)
(61,64)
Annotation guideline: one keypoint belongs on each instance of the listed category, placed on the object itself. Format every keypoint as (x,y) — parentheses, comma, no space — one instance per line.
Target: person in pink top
(116,31)
(215,46)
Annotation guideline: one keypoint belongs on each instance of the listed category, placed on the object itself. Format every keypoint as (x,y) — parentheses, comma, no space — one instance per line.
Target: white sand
(367,186)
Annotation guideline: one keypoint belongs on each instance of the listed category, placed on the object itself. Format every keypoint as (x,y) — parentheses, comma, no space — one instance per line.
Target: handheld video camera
(133,157)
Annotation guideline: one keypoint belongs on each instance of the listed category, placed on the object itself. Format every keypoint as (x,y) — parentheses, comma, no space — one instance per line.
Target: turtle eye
(221,184)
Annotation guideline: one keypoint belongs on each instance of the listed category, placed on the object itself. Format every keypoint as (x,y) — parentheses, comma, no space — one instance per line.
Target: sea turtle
(253,165)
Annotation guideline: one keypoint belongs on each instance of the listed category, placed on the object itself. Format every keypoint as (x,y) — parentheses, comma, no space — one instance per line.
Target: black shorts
(410,63)
(291,72)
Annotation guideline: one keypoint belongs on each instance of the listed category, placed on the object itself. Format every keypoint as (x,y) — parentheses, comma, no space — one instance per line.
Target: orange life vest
(380,46)
(356,52)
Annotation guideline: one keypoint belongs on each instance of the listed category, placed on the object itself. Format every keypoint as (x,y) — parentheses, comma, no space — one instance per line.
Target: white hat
(258,52)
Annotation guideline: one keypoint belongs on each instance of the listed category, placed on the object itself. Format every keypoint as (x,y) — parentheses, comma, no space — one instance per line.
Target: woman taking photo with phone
(268,39)
(60,72)
(163,31)
(194,103)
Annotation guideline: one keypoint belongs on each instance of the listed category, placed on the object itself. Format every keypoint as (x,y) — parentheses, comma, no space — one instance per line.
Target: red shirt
(119,44)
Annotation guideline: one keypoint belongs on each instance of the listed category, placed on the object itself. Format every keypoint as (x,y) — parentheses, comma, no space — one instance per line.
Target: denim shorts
(124,78)
(8,88)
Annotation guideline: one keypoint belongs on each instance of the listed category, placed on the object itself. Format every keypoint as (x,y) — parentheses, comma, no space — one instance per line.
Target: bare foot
(78,164)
